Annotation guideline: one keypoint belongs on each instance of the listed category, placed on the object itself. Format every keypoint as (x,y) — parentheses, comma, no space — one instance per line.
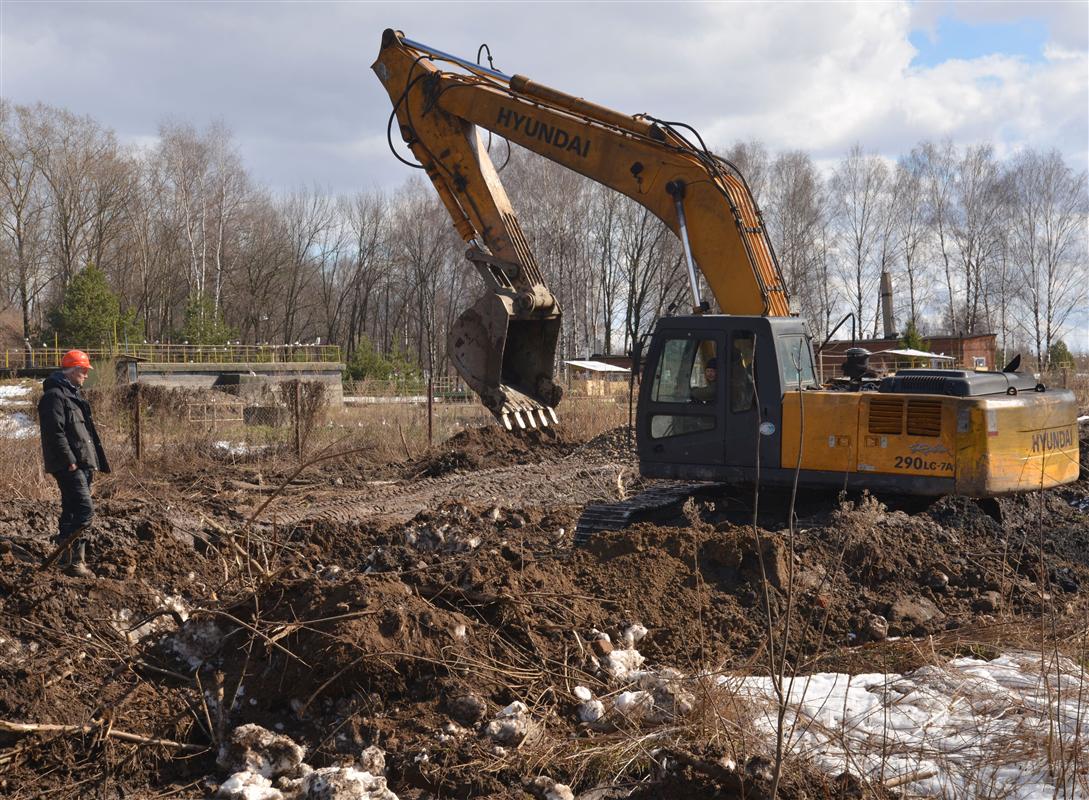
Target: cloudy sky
(292,81)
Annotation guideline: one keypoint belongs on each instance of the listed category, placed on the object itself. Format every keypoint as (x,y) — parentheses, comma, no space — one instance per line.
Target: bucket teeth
(544,417)
(552,413)
(518,418)
(506,422)
(531,419)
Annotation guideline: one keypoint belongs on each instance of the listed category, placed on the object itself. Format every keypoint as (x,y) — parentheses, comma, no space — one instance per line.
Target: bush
(367,362)
(203,324)
(1059,356)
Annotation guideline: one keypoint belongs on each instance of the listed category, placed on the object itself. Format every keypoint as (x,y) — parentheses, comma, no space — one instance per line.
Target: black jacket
(68,432)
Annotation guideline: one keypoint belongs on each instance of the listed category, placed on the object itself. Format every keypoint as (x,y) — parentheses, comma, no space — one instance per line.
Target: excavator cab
(710,405)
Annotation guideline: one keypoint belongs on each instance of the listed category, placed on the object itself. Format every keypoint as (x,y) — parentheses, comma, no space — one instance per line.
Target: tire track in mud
(545,484)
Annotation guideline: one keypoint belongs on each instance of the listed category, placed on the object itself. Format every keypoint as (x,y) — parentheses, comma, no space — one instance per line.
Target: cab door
(682,403)
(742,415)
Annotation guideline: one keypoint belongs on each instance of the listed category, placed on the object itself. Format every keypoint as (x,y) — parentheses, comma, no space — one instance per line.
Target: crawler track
(644,506)
(547,484)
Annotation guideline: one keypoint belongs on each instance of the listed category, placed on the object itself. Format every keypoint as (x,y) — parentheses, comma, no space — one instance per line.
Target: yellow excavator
(729,397)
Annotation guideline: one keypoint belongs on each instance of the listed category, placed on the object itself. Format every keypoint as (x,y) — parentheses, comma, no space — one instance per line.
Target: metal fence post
(430,407)
(137,424)
(298,419)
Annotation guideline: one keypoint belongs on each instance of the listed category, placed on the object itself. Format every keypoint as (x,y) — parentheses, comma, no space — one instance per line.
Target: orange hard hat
(76,358)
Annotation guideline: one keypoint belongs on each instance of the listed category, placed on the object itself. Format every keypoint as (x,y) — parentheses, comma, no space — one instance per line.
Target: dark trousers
(76,506)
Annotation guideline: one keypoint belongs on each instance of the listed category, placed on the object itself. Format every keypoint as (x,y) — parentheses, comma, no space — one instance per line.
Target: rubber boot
(77,565)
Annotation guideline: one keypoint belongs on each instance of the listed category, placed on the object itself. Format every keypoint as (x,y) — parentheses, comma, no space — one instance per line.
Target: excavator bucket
(507,359)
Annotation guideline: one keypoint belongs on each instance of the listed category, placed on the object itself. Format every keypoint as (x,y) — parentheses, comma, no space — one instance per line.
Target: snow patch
(343,783)
(17,425)
(195,642)
(512,725)
(632,634)
(969,729)
(235,448)
(248,786)
(623,664)
(15,395)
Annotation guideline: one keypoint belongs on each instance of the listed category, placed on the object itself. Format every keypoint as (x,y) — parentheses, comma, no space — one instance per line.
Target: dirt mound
(492,446)
(449,621)
(617,445)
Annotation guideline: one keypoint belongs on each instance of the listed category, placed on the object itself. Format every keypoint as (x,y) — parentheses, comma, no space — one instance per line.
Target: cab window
(797,361)
(685,374)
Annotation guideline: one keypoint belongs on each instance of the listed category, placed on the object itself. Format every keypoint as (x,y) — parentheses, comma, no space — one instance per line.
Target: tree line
(194,248)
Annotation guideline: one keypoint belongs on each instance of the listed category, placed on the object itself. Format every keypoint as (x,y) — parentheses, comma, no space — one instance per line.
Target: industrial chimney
(886,305)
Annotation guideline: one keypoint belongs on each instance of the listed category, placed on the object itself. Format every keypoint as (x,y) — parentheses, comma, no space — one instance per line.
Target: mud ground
(405,605)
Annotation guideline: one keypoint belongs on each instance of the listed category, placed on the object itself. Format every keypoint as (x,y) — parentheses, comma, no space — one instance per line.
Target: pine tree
(1059,356)
(203,324)
(912,339)
(367,362)
(90,314)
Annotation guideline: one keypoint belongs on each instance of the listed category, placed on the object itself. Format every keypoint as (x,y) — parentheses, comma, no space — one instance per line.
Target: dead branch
(95,727)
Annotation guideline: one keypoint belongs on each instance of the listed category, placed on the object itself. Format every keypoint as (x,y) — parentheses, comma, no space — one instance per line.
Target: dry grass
(172,442)
(1078,382)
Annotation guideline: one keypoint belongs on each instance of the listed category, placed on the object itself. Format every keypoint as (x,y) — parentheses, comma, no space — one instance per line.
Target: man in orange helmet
(72,452)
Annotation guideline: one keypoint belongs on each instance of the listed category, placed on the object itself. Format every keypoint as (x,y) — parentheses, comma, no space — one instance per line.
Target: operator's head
(710,370)
(75,365)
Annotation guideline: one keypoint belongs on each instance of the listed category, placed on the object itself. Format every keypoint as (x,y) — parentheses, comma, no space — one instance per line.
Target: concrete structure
(231,377)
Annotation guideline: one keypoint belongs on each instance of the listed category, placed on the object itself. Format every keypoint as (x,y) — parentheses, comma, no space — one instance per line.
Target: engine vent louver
(886,415)
(924,417)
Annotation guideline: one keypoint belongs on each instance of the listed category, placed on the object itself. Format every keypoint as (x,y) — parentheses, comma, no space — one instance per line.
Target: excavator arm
(504,346)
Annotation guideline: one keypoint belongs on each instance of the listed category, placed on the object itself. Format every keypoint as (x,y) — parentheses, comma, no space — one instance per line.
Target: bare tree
(1049,233)
(753,162)
(255,286)
(795,217)
(423,249)
(73,154)
(309,233)
(367,218)
(209,188)
(156,262)
(553,207)
(913,233)
(645,248)
(601,240)
(858,187)
(981,192)
(939,171)
(23,209)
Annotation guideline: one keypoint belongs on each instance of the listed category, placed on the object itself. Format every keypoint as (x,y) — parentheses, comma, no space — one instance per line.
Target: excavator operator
(706,393)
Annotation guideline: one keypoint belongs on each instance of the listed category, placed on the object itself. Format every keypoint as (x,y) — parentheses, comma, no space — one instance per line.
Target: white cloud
(293,80)
(1067,20)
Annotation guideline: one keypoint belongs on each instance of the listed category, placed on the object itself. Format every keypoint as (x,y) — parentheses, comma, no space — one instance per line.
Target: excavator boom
(504,345)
